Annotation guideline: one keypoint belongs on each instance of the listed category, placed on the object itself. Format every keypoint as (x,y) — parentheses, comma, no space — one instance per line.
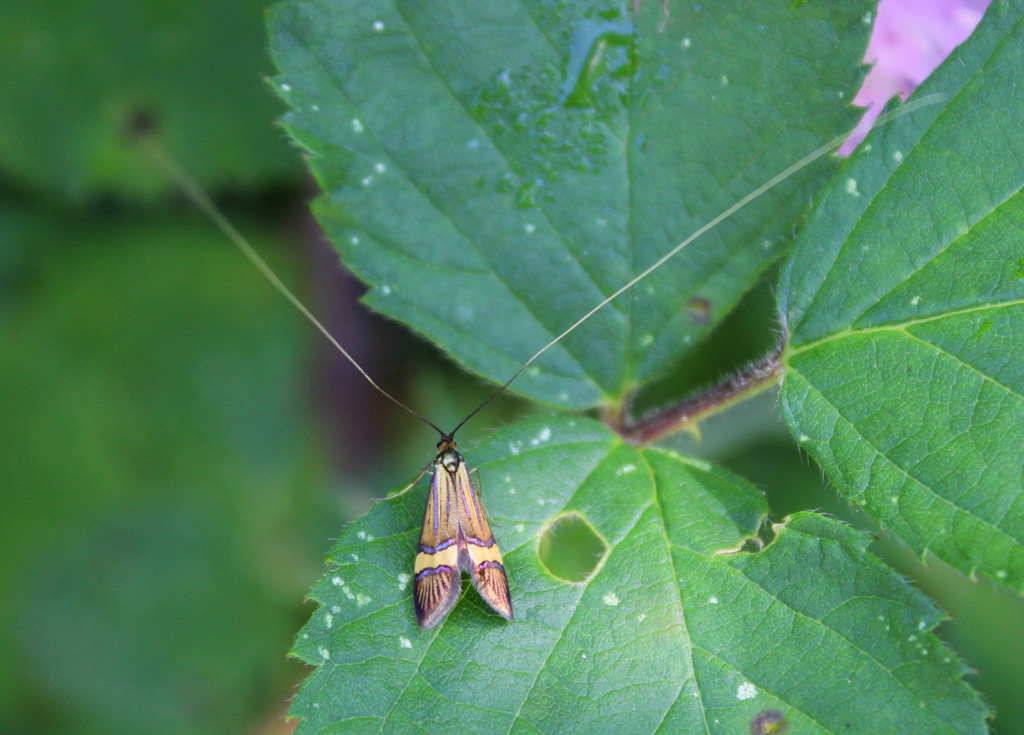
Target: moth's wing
(437,579)
(480,553)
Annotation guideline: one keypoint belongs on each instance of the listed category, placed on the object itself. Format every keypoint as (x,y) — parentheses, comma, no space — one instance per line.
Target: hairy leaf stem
(686,414)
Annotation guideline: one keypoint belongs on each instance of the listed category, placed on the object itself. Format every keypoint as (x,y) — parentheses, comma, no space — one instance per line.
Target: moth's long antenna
(195,192)
(810,158)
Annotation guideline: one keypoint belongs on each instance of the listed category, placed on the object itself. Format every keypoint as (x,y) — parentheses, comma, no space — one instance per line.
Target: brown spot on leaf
(141,122)
(699,309)
(768,722)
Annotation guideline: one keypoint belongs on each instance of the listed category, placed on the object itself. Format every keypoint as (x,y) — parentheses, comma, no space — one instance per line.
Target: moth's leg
(408,487)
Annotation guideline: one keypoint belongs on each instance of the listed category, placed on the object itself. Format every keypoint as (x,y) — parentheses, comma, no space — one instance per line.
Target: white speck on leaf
(328,620)
(725,80)
(324,653)
(898,156)
(520,527)
(378,26)
(545,434)
(915,301)
(642,617)
(348,593)
(851,187)
(386,290)
(337,581)
(367,181)
(472,143)
(611,599)
(357,126)
(404,642)
(362,535)
(686,43)
(746,691)
(403,581)
(354,240)
(335,609)
(803,438)
(316,108)
(362,599)
(380,168)
(713,600)
(530,228)
(625,469)
(867,18)
(647,340)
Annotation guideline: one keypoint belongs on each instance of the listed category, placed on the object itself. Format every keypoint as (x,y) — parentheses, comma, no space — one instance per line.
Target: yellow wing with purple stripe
(456,536)
(479,554)
(436,577)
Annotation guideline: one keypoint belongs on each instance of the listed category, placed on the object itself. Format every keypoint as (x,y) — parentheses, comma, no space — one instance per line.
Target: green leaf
(77,73)
(904,301)
(668,635)
(495,170)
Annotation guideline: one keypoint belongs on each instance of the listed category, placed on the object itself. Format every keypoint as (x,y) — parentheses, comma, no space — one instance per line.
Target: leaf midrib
(539,208)
(907,474)
(849,332)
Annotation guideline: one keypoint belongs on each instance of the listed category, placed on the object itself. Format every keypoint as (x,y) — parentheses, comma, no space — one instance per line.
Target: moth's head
(447,455)
(447,442)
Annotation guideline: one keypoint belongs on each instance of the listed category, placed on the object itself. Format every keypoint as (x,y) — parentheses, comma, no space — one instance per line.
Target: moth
(456,537)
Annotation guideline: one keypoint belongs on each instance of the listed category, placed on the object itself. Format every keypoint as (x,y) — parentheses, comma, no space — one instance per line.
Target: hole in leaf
(570,548)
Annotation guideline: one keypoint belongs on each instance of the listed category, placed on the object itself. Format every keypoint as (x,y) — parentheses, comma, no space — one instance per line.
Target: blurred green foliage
(77,74)
(169,475)
(163,502)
